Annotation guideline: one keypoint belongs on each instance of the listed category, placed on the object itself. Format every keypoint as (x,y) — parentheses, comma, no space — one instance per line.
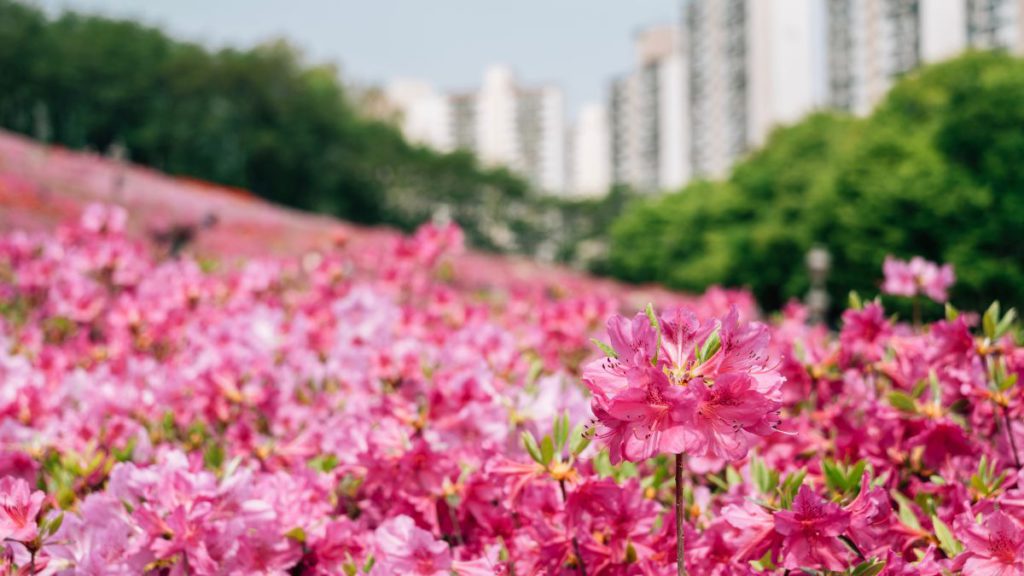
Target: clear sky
(576,44)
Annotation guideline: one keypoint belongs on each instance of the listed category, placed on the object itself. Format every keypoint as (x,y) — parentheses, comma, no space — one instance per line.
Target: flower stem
(1009,434)
(575,542)
(680,538)
(917,313)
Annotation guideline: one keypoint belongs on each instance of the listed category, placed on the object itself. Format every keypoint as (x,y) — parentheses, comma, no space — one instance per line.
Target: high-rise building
(753,65)
(873,42)
(648,121)
(423,113)
(503,123)
(590,151)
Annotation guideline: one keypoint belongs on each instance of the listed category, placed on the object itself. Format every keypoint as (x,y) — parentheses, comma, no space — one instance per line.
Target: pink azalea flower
(676,399)
(918,276)
(811,533)
(404,549)
(19,506)
(870,518)
(645,419)
(730,414)
(756,530)
(865,334)
(994,548)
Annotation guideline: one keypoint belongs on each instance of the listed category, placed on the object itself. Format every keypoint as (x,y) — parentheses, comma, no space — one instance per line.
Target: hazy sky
(577,44)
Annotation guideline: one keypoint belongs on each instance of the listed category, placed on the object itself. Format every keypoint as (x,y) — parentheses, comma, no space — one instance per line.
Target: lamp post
(818,261)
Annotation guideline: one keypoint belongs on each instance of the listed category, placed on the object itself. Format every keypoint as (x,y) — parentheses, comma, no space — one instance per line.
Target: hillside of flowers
(353,413)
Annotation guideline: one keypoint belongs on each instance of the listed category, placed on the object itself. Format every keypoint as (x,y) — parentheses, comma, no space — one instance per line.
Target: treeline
(261,119)
(937,170)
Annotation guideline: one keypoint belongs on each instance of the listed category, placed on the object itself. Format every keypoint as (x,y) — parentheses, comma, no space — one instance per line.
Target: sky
(578,45)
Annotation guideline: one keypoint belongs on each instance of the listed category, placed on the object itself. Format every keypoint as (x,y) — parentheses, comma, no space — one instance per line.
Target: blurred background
(683,142)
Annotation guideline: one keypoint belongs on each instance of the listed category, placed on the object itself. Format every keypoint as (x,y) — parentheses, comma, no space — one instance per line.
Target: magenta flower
(811,533)
(729,415)
(918,276)
(995,548)
(647,418)
(19,506)
(709,390)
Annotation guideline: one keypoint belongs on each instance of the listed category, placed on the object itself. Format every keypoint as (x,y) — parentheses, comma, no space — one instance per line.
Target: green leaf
(732,476)
(213,457)
(324,463)
(869,568)
(297,534)
(711,345)
(1007,321)
(906,511)
(547,450)
(949,544)
(902,402)
(608,350)
(933,381)
(560,430)
(55,524)
(855,301)
(951,312)
(718,482)
(580,440)
(854,475)
(835,479)
(530,443)
(790,486)
(919,389)
(990,320)
(765,479)
(657,328)
(631,555)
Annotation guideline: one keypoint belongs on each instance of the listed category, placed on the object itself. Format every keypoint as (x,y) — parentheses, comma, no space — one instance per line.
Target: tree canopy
(261,119)
(934,171)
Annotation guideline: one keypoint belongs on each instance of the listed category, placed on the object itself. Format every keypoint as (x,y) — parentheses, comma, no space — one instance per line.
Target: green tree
(934,171)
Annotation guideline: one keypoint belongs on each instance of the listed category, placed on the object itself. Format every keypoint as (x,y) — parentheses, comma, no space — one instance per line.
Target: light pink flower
(918,276)
(404,549)
(19,506)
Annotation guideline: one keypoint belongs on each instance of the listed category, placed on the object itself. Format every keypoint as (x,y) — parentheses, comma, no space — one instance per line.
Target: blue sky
(577,44)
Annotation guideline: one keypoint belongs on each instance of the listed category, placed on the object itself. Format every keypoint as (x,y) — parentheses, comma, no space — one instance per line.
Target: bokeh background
(687,143)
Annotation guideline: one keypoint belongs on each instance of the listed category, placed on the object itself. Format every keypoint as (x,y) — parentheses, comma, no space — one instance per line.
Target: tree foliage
(261,119)
(934,171)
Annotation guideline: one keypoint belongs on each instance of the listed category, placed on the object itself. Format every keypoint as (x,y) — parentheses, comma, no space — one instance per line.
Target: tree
(934,171)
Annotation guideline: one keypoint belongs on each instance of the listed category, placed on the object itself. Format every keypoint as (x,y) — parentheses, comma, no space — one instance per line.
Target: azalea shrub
(353,413)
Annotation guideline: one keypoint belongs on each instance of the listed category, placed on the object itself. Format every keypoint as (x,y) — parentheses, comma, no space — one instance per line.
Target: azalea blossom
(660,395)
(811,532)
(19,506)
(993,548)
(917,276)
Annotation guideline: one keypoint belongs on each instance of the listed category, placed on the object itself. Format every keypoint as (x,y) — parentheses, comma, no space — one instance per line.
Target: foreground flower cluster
(353,414)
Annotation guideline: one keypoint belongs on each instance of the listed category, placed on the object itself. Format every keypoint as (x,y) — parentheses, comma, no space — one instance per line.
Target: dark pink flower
(994,548)
(727,417)
(865,334)
(811,531)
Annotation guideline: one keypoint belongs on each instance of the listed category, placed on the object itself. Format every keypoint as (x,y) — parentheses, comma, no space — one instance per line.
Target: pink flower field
(298,396)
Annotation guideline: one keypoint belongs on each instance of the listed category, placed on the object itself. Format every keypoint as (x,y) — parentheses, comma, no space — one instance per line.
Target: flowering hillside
(400,406)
